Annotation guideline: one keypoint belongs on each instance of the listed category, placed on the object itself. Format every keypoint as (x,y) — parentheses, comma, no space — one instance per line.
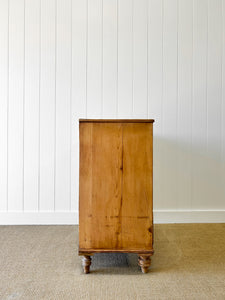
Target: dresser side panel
(115,198)
(100,185)
(137,206)
(85,180)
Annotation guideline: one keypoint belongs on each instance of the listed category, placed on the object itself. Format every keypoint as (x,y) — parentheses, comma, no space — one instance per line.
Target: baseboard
(39,218)
(189,216)
(71,217)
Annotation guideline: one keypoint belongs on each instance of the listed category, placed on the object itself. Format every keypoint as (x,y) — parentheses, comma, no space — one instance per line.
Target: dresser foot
(144,261)
(86,262)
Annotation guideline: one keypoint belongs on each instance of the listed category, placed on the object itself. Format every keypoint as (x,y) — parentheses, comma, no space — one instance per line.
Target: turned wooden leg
(144,261)
(86,262)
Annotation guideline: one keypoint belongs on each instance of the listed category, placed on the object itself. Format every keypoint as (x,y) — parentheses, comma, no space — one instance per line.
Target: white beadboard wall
(61,60)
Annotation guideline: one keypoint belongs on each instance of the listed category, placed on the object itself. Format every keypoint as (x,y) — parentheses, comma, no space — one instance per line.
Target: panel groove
(71,120)
(102,25)
(162,110)
(132,22)
(7,175)
(24,53)
(147,63)
(87,1)
(56,11)
(117,56)
(207,18)
(222,77)
(192,99)
(177,62)
(39,111)
(162,120)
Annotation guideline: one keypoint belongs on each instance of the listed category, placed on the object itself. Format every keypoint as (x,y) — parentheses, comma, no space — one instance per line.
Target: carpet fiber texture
(41,262)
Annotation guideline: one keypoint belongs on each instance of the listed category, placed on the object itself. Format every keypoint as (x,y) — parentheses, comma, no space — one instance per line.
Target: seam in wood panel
(121,196)
(91,165)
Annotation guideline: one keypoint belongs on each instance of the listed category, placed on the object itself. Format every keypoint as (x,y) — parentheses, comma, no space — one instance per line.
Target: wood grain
(115,198)
(100,184)
(136,212)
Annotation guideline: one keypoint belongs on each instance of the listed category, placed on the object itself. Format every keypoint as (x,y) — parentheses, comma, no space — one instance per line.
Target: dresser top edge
(116,120)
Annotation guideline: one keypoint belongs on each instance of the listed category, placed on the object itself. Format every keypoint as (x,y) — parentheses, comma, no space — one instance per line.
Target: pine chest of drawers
(115,189)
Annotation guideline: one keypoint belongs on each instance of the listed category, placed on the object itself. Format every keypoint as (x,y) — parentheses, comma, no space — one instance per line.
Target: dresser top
(116,120)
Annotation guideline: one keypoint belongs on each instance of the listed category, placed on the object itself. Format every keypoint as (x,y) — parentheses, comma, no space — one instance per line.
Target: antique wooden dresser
(115,189)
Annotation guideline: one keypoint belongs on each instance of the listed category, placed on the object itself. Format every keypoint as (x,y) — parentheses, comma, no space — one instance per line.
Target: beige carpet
(41,262)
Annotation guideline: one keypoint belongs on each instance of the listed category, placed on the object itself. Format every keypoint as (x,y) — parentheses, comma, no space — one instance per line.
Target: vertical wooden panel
(47,105)
(79,83)
(31,105)
(214,93)
(185,98)
(199,108)
(3,102)
(140,67)
(155,83)
(85,186)
(63,105)
(100,157)
(137,186)
(106,193)
(125,59)
(109,58)
(169,122)
(16,105)
(94,59)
